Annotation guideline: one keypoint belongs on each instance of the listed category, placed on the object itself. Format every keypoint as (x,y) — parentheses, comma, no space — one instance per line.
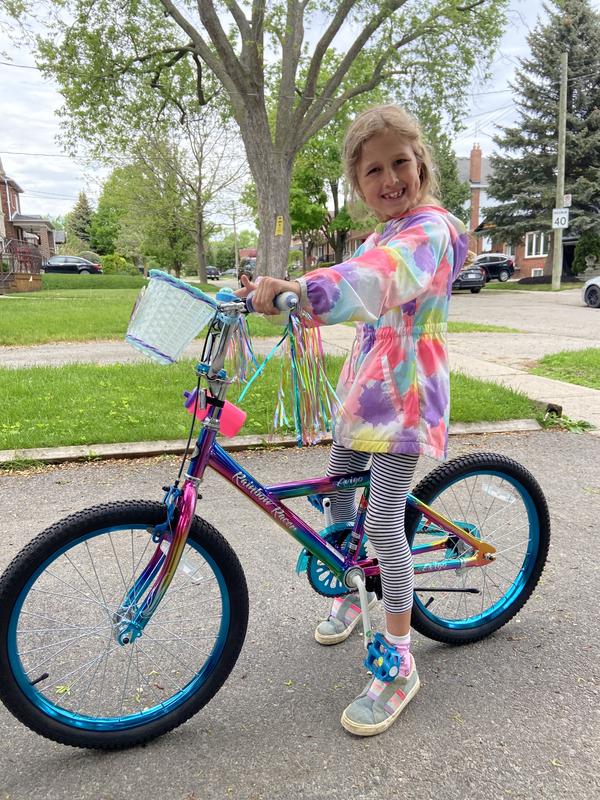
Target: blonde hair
(377,120)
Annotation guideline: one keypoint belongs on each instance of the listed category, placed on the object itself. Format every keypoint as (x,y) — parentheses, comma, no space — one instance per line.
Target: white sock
(398,641)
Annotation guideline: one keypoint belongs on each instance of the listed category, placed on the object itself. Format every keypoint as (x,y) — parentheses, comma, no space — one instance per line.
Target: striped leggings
(391,480)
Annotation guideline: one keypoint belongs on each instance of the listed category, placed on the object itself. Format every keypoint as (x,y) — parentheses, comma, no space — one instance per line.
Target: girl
(394,388)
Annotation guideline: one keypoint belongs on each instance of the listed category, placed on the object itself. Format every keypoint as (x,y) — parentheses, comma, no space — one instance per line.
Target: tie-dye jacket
(394,387)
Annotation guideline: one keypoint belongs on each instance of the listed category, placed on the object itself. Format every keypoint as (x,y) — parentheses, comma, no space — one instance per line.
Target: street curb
(101,452)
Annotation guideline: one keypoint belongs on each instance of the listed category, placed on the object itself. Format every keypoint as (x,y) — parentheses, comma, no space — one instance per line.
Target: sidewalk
(504,358)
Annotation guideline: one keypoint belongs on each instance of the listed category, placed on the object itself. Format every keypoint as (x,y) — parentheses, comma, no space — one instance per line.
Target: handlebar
(284,302)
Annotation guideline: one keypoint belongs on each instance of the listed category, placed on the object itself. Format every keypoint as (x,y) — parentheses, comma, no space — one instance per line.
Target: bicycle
(123,620)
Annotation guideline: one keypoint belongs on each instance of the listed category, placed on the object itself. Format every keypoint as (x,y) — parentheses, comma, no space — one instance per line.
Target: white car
(591,292)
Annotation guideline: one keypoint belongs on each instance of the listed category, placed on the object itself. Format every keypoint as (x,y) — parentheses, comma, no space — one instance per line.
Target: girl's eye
(401,160)
(372,170)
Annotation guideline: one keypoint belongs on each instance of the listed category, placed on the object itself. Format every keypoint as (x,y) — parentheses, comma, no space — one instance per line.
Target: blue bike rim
(522,577)
(148,715)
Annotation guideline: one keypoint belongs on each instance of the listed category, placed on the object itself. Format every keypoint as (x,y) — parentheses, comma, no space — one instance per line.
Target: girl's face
(388,175)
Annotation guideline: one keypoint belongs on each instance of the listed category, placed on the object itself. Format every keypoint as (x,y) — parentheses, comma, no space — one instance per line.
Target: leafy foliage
(119,63)
(80,218)
(587,252)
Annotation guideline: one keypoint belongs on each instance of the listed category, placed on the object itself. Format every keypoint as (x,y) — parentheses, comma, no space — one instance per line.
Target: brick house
(531,253)
(26,240)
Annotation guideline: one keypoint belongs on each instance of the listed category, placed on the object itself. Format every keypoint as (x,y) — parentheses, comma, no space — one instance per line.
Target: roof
(8,180)
(32,220)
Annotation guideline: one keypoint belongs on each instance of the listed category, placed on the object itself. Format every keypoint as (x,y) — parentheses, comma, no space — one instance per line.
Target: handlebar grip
(284,302)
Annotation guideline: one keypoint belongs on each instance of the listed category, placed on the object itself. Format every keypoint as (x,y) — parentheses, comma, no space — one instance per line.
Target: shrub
(587,252)
(117,265)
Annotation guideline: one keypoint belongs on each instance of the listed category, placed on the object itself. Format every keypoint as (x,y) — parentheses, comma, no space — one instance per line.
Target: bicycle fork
(133,614)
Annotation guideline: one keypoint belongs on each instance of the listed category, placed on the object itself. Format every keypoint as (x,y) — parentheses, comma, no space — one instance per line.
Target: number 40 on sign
(560,217)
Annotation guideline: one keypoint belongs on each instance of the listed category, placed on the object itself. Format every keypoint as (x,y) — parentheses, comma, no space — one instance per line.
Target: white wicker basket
(167,316)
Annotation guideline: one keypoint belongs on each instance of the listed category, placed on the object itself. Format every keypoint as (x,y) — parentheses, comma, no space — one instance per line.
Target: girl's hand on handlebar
(264,292)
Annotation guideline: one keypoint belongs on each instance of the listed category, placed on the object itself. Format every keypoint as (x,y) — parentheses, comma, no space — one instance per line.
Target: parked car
(229,273)
(213,272)
(71,265)
(471,277)
(495,265)
(591,292)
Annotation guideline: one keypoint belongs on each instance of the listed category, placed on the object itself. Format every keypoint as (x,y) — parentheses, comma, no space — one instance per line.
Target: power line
(18,66)
(45,155)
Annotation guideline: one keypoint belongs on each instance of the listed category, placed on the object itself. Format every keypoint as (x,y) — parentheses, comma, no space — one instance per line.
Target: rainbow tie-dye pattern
(394,387)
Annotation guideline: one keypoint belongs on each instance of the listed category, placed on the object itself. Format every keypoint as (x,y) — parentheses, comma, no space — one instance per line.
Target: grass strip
(581,367)
(515,286)
(81,315)
(92,404)
(52,281)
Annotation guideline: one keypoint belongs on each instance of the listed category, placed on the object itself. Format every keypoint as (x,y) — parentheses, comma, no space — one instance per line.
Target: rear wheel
(496,499)
(63,672)
(503,275)
(84,272)
(592,296)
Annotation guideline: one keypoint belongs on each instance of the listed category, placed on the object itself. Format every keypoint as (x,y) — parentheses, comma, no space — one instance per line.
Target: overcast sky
(51,182)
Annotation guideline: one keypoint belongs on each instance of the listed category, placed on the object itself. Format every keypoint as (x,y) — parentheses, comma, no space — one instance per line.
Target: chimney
(475,164)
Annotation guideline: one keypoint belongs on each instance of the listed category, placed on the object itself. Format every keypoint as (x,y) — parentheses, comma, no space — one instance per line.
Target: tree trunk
(200,249)
(340,244)
(272,172)
(273,192)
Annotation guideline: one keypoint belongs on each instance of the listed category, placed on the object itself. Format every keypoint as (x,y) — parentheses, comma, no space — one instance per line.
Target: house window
(508,250)
(536,244)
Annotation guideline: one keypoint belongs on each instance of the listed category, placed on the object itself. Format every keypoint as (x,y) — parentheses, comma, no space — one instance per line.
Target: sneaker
(380,704)
(336,629)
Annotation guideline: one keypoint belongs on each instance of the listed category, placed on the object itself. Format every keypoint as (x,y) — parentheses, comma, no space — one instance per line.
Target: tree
(454,193)
(524,174)
(80,218)
(271,77)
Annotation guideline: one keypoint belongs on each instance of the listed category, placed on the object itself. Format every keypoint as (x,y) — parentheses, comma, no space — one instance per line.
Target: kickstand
(364,606)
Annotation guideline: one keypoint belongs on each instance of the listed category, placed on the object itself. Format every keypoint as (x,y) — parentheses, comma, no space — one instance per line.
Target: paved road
(515,717)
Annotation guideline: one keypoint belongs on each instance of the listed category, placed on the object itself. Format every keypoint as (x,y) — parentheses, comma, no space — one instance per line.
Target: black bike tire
(428,488)
(71,528)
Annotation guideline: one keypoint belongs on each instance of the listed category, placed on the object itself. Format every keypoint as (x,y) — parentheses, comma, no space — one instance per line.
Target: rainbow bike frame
(144,596)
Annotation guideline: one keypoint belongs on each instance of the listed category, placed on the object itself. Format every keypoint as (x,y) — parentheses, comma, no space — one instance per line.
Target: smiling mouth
(393,195)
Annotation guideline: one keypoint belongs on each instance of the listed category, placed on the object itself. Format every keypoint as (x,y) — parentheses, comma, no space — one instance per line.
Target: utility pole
(560,171)
(235,241)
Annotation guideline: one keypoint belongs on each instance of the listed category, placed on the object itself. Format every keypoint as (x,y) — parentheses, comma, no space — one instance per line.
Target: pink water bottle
(232,417)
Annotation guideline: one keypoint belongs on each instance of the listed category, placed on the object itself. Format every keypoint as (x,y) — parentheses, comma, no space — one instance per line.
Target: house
(26,240)
(531,253)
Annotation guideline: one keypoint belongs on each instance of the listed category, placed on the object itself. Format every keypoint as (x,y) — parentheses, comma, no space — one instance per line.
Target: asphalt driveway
(514,716)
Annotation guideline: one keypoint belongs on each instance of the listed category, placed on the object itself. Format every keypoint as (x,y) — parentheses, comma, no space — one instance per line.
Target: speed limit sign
(560,217)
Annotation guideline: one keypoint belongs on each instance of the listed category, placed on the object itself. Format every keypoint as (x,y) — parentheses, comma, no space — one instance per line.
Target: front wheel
(476,291)
(63,672)
(495,499)
(592,296)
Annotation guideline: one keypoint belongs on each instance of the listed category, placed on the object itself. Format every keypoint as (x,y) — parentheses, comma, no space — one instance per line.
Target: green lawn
(572,366)
(513,286)
(475,327)
(81,315)
(91,404)
(468,327)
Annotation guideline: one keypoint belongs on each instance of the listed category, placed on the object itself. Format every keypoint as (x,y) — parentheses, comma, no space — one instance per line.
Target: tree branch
(321,48)
(202,48)
(291,48)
